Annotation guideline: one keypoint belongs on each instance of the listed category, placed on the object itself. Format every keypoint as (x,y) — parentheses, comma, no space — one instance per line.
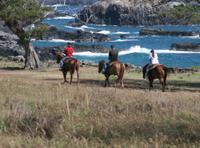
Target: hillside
(137,12)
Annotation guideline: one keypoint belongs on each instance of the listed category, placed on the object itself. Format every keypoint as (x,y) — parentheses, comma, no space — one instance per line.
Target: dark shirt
(113,55)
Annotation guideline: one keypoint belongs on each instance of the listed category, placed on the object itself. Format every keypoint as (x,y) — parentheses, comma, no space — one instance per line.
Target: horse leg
(150,84)
(107,81)
(77,76)
(162,81)
(64,76)
(116,82)
(71,77)
(163,87)
(122,82)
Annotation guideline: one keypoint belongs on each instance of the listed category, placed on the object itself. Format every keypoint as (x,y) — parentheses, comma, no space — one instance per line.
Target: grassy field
(38,111)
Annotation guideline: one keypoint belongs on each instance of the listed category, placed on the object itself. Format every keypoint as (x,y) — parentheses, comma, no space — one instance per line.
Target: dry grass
(38,111)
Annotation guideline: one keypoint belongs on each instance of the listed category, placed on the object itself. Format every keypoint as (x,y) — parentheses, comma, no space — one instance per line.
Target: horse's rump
(116,68)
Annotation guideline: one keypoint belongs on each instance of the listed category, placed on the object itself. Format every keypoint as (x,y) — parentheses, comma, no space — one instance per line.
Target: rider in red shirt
(68,51)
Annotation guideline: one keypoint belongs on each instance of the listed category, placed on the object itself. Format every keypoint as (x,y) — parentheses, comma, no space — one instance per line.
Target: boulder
(133,12)
(153,31)
(124,12)
(18,58)
(79,35)
(9,42)
(186,46)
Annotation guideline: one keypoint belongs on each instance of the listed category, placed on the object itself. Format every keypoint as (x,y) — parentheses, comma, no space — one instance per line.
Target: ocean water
(134,49)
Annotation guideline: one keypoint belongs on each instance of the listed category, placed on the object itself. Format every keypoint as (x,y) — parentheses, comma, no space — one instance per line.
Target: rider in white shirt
(153,59)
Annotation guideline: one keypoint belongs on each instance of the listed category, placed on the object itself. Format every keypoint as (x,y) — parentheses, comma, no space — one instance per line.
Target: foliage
(38,31)
(185,14)
(20,13)
(21,10)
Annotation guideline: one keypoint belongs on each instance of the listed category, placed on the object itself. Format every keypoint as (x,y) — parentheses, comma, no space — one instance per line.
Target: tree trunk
(31,58)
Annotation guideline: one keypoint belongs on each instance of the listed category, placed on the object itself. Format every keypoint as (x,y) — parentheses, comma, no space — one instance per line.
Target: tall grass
(38,111)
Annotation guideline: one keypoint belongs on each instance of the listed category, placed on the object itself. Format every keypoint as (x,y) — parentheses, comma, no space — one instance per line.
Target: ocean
(134,49)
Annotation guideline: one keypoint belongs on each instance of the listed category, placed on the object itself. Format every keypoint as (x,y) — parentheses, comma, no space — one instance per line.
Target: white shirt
(153,60)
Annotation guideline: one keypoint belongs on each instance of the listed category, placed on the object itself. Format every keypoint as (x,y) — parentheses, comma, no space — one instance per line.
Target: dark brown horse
(70,65)
(156,72)
(114,68)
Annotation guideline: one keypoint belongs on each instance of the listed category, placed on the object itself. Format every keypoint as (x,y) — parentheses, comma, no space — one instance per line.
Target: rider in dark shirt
(113,54)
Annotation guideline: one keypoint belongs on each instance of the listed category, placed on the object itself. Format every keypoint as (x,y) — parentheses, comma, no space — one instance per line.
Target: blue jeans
(62,62)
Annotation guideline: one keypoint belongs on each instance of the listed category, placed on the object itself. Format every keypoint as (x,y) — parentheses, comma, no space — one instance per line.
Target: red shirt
(69,51)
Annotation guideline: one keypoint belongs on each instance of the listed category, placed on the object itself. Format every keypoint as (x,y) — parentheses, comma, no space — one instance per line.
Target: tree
(18,14)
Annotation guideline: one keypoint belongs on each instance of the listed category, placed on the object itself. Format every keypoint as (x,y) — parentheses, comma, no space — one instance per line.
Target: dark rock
(79,35)
(186,46)
(121,13)
(132,12)
(18,58)
(9,42)
(153,31)
(45,53)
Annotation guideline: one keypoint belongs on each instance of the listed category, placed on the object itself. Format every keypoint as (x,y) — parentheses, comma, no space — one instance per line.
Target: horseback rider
(153,59)
(68,53)
(112,56)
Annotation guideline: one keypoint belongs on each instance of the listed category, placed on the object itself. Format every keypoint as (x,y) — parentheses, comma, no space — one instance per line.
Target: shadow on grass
(185,84)
(139,84)
(12,68)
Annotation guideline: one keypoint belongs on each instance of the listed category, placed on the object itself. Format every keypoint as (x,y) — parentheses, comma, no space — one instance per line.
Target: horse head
(59,55)
(101,65)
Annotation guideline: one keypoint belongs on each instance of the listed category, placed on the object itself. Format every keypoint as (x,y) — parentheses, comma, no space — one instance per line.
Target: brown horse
(156,72)
(70,65)
(114,68)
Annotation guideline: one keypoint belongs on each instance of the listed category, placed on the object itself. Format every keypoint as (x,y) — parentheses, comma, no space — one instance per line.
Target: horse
(114,68)
(157,71)
(70,65)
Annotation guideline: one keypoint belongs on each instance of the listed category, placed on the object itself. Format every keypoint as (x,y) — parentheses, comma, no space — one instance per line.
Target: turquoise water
(134,48)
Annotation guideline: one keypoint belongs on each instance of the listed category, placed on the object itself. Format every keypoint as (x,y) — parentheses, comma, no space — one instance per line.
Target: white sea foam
(64,17)
(55,40)
(76,28)
(104,32)
(90,54)
(87,27)
(193,37)
(120,32)
(138,49)
(134,49)
(124,40)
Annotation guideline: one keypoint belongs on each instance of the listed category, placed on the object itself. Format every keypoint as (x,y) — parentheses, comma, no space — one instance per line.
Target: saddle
(66,60)
(150,67)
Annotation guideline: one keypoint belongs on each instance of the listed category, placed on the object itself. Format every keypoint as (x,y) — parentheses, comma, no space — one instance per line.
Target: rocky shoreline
(127,12)
(103,12)
(153,31)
